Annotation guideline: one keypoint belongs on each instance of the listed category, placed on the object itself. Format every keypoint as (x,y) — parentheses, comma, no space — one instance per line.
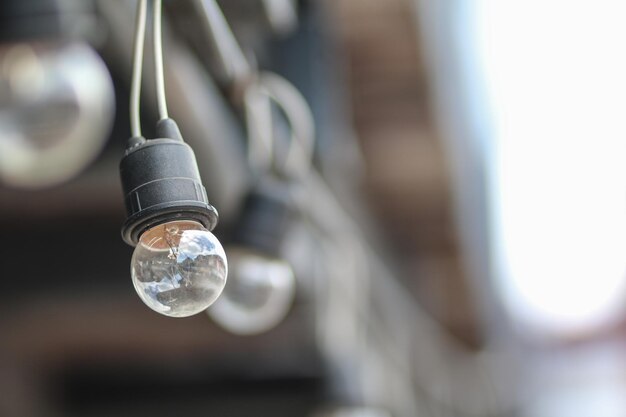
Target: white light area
(555,78)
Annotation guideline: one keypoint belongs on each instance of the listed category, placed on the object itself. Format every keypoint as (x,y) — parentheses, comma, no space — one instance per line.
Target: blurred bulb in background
(259,293)
(179,268)
(261,286)
(56,110)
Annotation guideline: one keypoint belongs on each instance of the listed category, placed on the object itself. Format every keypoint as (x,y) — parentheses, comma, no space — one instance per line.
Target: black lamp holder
(267,213)
(161,183)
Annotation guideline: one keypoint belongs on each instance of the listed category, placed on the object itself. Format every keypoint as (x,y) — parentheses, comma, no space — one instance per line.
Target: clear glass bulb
(179,268)
(56,110)
(259,293)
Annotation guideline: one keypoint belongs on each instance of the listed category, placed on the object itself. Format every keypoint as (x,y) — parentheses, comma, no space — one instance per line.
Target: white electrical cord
(273,90)
(289,100)
(234,63)
(158,59)
(135,86)
(138,48)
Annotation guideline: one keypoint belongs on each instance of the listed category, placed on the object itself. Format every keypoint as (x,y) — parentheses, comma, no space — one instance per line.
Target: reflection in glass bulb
(179,268)
(258,295)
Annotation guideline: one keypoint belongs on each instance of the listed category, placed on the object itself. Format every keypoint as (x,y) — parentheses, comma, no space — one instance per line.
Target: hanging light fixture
(179,267)
(262,284)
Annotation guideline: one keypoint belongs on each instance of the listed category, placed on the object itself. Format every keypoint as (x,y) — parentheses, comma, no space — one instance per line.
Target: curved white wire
(135,86)
(289,100)
(263,147)
(158,59)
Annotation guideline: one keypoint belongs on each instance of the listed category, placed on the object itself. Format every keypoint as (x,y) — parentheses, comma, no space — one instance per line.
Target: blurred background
(457,248)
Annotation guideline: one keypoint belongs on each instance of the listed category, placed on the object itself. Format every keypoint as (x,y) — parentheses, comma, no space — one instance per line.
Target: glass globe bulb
(258,296)
(56,110)
(179,268)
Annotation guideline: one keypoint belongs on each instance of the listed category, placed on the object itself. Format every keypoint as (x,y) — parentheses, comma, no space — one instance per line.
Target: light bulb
(56,111)
(259,293)
(179,268)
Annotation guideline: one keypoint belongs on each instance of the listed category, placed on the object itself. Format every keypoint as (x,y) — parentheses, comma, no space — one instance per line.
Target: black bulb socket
(266,215)
(161,183)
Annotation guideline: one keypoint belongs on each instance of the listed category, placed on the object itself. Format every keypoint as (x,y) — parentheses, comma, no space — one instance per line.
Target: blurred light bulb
(259,293)
(56,111)
(179,268)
